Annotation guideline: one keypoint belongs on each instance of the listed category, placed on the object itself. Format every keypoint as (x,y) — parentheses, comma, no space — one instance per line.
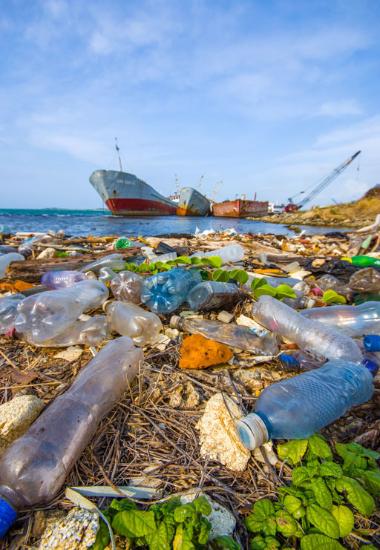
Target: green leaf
(265,290)
(241,276)
(223,542)
(221,276)
(159,539)
(196,261)
(102,537)
(184,512)
(321,493)
(204,531)
(134,523)
(183,260)
(267,543)
(319,446)
(371,480)
(323,520)
(286,524)
(330,469)
(202,505)
(214,261)
(344,518)
(292,450)
(258,283)
(122,504)
(285,291)
(356,495)
(294,506)
(181,540)
(269,527)
(332,297)
(319,542)
(263,508)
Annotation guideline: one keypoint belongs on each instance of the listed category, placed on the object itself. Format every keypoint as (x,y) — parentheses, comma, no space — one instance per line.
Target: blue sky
(263,96)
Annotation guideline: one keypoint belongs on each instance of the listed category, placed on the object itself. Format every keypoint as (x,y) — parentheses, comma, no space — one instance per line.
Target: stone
(46,254)
(225,316)
(70,354)
(16,416)
(75,531)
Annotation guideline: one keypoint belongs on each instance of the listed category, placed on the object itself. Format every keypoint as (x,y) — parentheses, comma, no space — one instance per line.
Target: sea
(100,222)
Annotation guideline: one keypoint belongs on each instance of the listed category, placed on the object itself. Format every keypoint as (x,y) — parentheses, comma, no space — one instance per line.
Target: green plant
(332,297)
(164,526)
(318,507)
(261,287)
(156,267)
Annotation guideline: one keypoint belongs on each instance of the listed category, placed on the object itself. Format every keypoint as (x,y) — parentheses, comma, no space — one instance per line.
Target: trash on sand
(70,354)
(213,295)
(127,286)
(198,352)
(132,320)
(7,259)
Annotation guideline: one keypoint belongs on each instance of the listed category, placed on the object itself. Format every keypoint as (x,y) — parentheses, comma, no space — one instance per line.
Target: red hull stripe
(139,207)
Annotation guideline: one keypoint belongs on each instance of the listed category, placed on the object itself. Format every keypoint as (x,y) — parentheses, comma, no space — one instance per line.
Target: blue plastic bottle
(298,407)
(165,292)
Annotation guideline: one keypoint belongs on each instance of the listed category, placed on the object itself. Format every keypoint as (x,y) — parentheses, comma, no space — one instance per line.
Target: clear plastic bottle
(165,292)
(231,253)
(299,361)
(365,280)
(298,407)
(132,320)
(43,316)
(309,335)
(26,247)
(230,334)
(89,332)
(61,279)
(127,287)
(35,466)
(8,311)
(352,320)
(213,295)
(7,259)
(106,274)
(114,261)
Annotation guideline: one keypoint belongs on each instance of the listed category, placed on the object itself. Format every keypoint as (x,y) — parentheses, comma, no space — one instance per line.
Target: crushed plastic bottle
(113,261)
(352,320)
(213,295)
(8,311)
(127,286)
(365,280)
(232,253)
(132,320)
(311,336)
(232,335)
(61,279)
(298,407)
(44,316)
(35,466)
(89,332)
(165,292)
(7,259)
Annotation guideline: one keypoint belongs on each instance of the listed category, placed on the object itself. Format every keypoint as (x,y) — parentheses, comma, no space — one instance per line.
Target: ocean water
(100,222)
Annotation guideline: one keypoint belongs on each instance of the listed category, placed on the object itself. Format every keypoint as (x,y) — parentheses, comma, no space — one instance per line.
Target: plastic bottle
(114,261)
(106,274)
(61,279)
(7,259)
(165,292)
(26,247)
(298,407)
(298,361)
(132,320)
(230,334)
(45,315)
(231,253)
(127,287)
(213,295)
(372,342)
(8,311)
(122,243)
(364,261)
(308,334)
(35,466)
(5,249)
(365,280)
(352,320)
(89,332)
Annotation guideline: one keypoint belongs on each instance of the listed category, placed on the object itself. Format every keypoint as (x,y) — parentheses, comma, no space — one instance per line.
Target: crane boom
(322,185)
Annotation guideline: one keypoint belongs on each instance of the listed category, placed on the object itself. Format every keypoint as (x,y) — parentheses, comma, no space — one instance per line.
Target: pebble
(16,416)
(76,531)
(225,316)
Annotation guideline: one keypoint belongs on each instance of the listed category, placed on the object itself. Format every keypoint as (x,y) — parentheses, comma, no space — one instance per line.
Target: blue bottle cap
(7,517)
(289,361)
(371,366)
(372,342)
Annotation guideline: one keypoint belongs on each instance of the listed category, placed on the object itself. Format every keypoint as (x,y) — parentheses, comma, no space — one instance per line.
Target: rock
(225,316)
(47,253)
(222,520)
(70,354)
(219,439)
(76,531)
(16,416)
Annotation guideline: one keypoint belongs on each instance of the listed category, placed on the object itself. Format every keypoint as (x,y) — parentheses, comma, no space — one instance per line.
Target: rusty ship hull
(240,208)
(192,203)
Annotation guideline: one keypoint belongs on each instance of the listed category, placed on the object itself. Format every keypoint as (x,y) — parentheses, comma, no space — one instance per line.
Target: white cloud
(340,108)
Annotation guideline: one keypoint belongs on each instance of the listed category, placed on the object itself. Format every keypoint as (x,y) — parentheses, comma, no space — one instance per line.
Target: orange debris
(198,352)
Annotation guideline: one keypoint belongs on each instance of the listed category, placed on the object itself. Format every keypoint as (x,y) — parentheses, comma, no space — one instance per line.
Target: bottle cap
(289,361)
(252,431)
(7,517)
(175,321)
(371,366)
(372,342)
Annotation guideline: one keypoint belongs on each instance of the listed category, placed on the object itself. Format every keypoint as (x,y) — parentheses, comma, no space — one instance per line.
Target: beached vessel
(240,208)
(192,203)
(126,195)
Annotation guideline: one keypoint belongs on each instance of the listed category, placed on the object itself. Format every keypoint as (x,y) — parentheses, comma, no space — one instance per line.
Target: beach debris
(75,531)
(225,316)
(198,352)
(16,416)
(70,354)
(184,396)
(218,435)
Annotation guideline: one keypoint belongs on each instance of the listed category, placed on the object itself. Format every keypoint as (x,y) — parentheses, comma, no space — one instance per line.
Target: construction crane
(293,206)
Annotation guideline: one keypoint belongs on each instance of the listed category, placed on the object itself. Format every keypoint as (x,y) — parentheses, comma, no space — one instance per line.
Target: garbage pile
(149,367)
